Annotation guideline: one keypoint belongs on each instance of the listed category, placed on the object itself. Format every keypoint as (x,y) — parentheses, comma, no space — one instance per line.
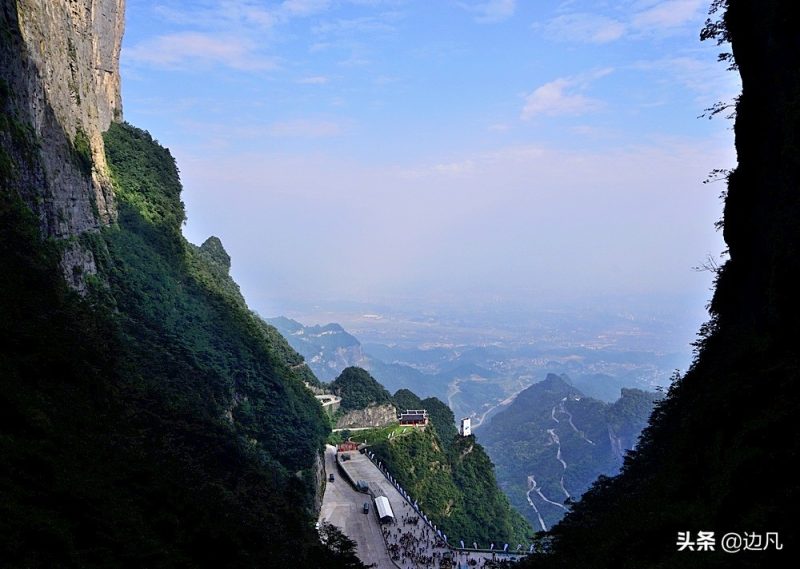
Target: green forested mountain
(552,442)
(147,417)
(216,272)
(721,449)
(442,419)
(330,348)
(172,289)
(156,422)
(358,389)
(153,421)
(452,478)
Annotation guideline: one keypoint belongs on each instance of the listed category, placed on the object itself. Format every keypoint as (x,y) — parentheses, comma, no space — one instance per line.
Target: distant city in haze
(658,324)
(477,357)
(491,172)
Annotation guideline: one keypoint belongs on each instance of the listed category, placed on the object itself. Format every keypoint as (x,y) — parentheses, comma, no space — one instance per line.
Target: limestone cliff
(59,91)
(372,416)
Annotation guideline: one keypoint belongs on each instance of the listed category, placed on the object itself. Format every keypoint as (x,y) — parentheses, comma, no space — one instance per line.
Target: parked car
(366,507)
(330,478)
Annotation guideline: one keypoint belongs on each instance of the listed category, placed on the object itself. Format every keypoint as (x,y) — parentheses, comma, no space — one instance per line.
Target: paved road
(342,506)
(412,542)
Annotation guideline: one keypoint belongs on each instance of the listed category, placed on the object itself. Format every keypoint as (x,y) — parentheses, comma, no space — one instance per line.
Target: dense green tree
(153,423)
(358,389)
(441,417)
(406,399)
(451,477)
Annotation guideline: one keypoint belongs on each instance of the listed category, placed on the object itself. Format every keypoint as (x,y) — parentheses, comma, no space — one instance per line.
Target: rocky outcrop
(215,252)
(329,362)
(319,482)
(372,416)
(59,90)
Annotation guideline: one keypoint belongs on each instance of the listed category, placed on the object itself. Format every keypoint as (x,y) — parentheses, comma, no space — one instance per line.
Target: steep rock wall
(372,416)
(59,91)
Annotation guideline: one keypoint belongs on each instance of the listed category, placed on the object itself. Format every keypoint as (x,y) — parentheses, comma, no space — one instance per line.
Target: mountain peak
(215,252)
(555,380)
(358,389)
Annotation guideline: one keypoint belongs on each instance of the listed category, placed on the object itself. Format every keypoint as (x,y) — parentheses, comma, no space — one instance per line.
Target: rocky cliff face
(319,482)
(59,91)
(372,416)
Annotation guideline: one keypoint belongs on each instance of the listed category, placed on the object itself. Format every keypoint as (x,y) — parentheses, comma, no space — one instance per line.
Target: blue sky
(379,149)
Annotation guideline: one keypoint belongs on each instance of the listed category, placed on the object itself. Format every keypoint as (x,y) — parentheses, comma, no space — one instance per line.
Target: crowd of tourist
(413,544)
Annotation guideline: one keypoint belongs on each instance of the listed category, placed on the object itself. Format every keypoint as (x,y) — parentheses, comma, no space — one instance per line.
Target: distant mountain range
(329,349)
(552,442)
(548,444)
(474,380)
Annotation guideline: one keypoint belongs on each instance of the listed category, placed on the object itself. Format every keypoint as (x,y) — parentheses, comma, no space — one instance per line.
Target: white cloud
(694,74)
(305,128)
(660,17)
(250,12)
(668,14)
(348,26)
(491,11)
(474,166)
(455,168)
(499,127)
(704,78)
(358,37)
(563,96)
(591,131)
(386,80)
(194,48)
(219,14)
(238,33)
(355,60)
(221,32)
(583,27)
(304,7)
(314,80)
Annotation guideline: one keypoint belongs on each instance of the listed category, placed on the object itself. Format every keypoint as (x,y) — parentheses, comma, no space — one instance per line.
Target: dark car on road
(330,478)
(366,507)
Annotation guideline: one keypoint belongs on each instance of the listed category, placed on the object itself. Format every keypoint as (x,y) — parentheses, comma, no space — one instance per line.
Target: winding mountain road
(554,438)
(532,488)
(562,409)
